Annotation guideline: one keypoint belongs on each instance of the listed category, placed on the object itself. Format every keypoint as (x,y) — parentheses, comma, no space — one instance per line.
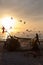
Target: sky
(30,11)
(22,8)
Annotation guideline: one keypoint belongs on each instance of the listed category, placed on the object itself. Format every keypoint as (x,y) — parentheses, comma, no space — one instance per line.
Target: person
(37,38)
(3,29)
(35,42)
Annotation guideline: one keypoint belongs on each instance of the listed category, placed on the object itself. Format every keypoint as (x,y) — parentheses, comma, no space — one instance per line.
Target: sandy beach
(20,58)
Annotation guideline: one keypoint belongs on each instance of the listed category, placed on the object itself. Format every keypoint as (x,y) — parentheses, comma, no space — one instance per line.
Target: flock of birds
(24,22)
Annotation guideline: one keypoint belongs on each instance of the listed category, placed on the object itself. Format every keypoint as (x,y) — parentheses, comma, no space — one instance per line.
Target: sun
(8,22)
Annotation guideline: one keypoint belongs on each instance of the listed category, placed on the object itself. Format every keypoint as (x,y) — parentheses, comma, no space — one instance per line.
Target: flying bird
(10,27)
(20,20)
(24,22)
(26,29)
(11,18)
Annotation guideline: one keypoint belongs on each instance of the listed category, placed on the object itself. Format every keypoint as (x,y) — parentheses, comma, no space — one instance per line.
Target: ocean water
(26,34)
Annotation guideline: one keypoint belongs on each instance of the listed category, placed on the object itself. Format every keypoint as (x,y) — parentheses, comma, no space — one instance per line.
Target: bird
(11,17)
(20,20)
(24,22)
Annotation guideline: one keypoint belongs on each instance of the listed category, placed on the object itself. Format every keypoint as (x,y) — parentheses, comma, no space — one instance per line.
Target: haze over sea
(21,35)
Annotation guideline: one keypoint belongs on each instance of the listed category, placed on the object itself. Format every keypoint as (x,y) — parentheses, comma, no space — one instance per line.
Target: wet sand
(19,58)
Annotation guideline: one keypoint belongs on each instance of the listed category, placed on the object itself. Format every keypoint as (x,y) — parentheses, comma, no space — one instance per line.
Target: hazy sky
(29,10)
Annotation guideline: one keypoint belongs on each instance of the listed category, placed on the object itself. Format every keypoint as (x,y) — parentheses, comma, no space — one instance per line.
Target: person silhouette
(35,41)
(3,29)
(37,38)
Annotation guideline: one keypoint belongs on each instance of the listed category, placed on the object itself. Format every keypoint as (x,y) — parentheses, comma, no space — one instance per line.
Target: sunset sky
(30,11)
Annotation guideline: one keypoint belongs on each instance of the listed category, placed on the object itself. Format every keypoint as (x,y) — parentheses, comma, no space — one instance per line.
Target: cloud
(25,8)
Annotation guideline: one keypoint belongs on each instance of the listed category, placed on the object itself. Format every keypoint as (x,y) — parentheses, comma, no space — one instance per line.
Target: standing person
(35,46)
(37,38)
(35,42)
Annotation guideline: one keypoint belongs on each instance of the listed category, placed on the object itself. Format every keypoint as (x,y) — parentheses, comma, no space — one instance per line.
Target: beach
(20,58)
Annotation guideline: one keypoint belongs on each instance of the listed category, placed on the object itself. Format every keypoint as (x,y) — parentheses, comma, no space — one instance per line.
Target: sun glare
(8,22)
